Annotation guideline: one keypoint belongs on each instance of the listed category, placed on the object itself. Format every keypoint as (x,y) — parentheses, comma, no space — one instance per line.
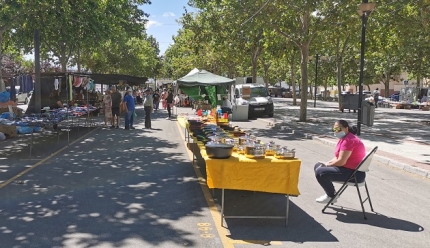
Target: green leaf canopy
(204,78)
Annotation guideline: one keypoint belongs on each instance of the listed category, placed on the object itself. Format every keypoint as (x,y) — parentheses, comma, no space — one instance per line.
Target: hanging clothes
(29,83)
(77,81)
(85,82)
(20,82)
(91,85)
(56,84)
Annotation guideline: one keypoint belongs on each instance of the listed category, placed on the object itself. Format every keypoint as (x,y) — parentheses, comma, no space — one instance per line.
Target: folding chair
(352,181)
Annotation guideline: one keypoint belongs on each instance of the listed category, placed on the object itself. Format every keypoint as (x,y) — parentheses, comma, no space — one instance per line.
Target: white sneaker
(167,118)
(325,199)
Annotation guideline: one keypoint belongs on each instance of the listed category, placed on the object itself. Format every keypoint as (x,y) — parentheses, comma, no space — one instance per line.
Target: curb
(384,160)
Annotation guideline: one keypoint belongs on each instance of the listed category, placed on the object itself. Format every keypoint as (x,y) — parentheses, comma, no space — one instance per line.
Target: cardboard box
(9,131)
(16,110)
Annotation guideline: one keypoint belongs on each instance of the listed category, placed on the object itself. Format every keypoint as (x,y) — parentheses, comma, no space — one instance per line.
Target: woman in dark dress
(169,101)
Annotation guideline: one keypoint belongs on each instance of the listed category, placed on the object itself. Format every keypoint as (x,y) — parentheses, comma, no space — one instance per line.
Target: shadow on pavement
(392,127)
(374,219)
(93,195)
(301,226)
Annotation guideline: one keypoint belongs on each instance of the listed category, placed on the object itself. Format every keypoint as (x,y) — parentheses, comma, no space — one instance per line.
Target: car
(21,97)
(366,93)
(27,99)
(395,97)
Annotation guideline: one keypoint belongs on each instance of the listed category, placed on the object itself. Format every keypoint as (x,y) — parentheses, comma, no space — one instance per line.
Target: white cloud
(151,23)
(169,14)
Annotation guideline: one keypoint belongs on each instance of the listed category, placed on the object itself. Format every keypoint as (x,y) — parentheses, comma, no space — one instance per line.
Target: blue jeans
(156,104)
(327,174)
(129,116)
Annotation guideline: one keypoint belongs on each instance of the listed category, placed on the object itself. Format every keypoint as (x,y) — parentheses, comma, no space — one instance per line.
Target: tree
(72,28)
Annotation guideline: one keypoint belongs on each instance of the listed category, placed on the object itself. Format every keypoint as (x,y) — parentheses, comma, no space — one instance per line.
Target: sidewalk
(402,136)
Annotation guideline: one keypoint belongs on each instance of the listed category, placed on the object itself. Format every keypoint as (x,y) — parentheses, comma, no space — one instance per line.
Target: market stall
(251,165)
(205,86)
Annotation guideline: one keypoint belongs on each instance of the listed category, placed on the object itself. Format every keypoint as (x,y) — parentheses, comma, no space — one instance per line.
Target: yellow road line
(42,161)
(256,242)
(216,216)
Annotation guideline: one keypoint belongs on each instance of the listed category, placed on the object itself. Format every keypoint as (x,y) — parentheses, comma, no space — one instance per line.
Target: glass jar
(270,149)
(258,151)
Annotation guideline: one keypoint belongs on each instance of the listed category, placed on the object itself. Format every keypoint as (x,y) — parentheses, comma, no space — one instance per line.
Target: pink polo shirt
(351,143)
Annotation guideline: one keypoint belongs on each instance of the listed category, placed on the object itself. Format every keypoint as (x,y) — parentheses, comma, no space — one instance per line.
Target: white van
(255,96)
(20,96)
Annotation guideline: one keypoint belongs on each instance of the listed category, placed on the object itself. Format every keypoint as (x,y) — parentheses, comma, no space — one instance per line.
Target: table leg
(222,208)
(287,210)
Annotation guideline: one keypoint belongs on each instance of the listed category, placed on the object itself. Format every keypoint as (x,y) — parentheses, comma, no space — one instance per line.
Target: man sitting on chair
(348,154)
(226,105)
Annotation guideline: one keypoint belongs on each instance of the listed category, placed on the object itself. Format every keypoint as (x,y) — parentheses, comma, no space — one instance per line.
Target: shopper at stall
(116,102)
(348,154)
(129,109)
(107,107)
(226,105)
(55,100)
(148,105)
(169,102)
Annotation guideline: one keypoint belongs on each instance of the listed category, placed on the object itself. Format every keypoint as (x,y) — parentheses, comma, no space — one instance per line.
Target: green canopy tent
(192,82)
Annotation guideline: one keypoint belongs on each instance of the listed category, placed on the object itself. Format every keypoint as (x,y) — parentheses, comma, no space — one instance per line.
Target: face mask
(340,134)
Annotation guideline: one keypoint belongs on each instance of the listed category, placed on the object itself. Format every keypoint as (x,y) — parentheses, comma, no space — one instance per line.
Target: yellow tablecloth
(265,175)
(241,173)
(183,122)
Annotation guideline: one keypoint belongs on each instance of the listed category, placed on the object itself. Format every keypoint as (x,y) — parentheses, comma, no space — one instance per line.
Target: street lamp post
(316,79)
(365,8)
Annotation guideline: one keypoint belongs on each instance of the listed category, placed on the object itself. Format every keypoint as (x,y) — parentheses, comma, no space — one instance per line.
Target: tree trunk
(387,88)
(2,86)
(304,50)
(78,60)
(339,81)
(293,80)
(325,89)
(63,62)
(254,63)
(266,75)
(419,80)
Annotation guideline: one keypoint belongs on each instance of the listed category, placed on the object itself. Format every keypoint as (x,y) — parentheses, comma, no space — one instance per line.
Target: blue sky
(162,22)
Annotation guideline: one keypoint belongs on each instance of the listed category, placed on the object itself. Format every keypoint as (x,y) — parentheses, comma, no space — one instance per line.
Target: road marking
(42,161)
(256,242)
(216,216)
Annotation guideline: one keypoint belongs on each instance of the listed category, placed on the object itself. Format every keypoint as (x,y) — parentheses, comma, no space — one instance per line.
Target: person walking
(116,102)
(156,98)
(376,97)
(129,109)
(169,102)
(107,107)
(148,105)
(163,98)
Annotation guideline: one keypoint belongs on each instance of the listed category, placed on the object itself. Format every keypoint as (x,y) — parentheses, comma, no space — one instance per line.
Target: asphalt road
(117,188)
